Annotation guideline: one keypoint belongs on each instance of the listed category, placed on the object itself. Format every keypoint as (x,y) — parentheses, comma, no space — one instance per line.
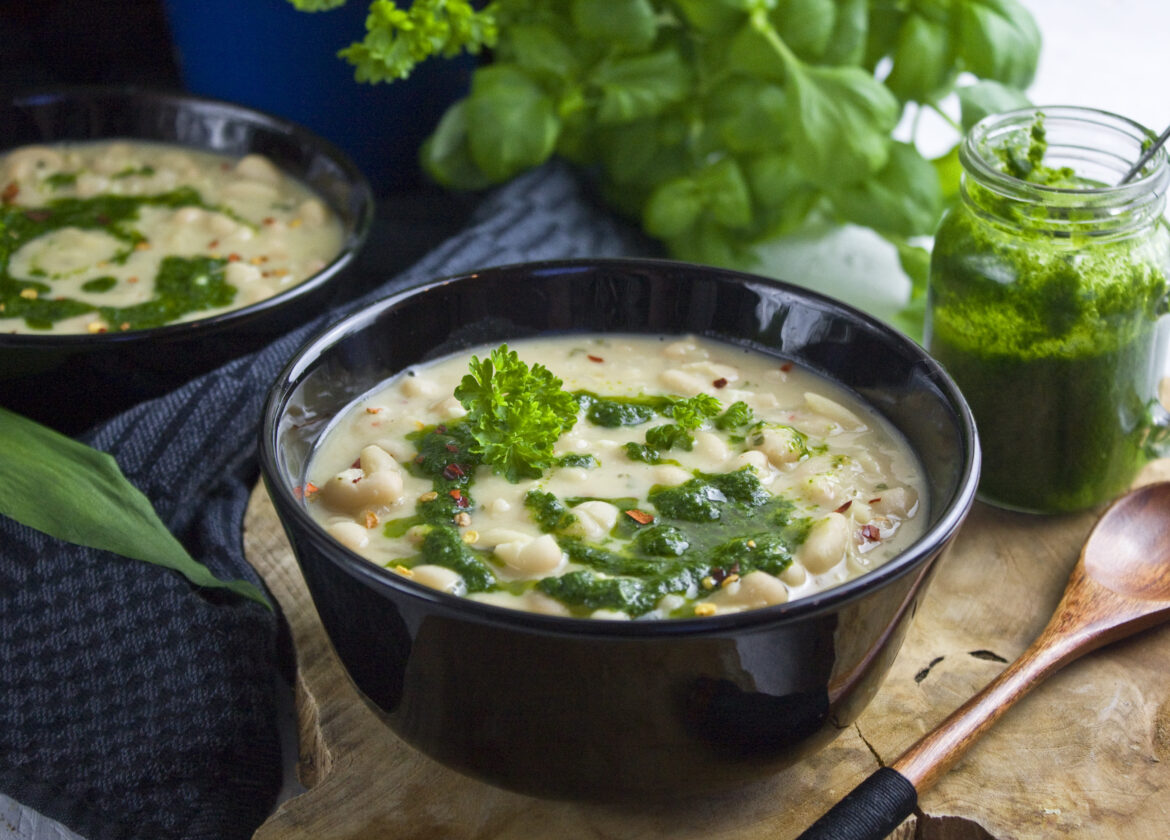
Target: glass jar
(1046,300)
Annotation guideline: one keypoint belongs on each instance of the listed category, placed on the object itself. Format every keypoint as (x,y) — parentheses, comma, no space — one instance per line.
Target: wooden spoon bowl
(1119,586)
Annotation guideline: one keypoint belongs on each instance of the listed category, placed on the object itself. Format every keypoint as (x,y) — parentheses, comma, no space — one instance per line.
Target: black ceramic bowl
(597,709)
(69,381)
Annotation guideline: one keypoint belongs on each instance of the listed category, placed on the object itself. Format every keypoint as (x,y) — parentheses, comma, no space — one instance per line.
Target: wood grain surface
(1086,755)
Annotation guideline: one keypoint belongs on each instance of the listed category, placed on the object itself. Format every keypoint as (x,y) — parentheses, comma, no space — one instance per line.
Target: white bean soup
(120,235)
(689,478)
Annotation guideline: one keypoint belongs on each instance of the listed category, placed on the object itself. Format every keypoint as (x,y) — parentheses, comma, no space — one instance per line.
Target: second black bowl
(71,381)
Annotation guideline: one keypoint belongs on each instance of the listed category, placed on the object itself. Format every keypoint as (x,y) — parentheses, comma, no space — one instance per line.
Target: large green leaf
(78,494)
(999,39)
(641,86)
(841,120)
(515,122)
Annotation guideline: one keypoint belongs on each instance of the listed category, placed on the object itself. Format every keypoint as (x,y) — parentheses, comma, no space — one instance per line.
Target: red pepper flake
(460,500)
(721,382)
(11,191)
(418,459)
(452,472)
(844,507)
(640,516)
(308,490)
(214,244)
(871,532)
(440,429)
(875,500)
(131,279)
(233,257)
(373,409)
(356,465)
(787,366)
(268,220)
(593,358)
(452,447)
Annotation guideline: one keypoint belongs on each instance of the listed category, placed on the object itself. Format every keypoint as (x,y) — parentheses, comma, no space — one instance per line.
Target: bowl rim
(922,550)
(352,244)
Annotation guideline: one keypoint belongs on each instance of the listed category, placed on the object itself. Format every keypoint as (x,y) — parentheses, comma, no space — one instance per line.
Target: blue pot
(267,55)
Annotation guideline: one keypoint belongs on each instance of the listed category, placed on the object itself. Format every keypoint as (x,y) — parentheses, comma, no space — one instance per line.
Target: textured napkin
(134,706)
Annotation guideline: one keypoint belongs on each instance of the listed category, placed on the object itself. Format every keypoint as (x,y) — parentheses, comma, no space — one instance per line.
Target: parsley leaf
(515,413)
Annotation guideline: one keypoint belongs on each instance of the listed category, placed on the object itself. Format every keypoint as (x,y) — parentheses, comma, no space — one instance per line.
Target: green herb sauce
(698,533)
(183,284)
(1052,339)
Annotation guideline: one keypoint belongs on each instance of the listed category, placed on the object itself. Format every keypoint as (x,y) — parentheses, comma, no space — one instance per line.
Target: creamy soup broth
(843,488)
(119,235)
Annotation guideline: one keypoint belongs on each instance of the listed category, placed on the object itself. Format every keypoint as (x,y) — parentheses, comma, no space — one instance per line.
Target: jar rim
(1152,178)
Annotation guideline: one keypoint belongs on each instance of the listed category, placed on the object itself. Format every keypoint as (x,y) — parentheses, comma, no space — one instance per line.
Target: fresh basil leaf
(78,494)
(847,42)
(924,61)
(781,188)
(516,126)
(998,39)
(748,115)
(903,198)
(712,17)
(881,36)
(642,86)
(446,153)
(673,208)
(978,100)
(750,52)
(541,51)
(630,23)
(805,25)
(725,193)
(841,119)
(647,152)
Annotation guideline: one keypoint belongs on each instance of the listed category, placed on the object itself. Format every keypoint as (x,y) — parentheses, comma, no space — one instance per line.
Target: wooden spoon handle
(879,804)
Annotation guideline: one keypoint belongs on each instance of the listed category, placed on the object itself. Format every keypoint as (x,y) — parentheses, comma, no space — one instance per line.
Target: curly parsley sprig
(515,413)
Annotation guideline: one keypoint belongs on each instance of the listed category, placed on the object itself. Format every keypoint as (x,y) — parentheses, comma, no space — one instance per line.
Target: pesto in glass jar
(1046,301)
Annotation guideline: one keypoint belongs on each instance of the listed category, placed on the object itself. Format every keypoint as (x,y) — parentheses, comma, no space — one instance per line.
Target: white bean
(711,447)
(418,386)
(540,556)
(826,544)
(312,212)
(681,382)
(782,445)
(595,519)
(449,408)
(374,458)
(438,577)
(825,490)
(896,501)
(258,168)
(350,534)
(834,411)
(31,161)
(752,591)
(352,490)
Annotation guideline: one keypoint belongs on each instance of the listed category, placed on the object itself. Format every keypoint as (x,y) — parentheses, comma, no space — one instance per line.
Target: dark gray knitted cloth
(133,706)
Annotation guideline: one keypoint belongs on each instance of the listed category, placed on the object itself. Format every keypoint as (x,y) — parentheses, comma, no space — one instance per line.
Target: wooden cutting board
(1087,755)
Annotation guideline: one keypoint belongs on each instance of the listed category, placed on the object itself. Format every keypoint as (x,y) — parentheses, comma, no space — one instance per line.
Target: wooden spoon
(1120,585)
